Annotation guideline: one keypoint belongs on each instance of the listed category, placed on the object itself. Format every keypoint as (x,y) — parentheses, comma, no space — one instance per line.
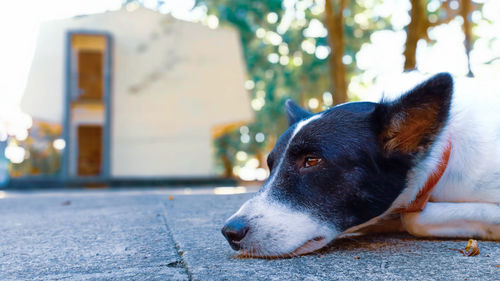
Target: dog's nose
(234,231)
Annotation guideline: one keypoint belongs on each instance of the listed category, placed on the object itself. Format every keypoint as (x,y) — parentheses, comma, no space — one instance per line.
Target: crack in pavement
(181,262)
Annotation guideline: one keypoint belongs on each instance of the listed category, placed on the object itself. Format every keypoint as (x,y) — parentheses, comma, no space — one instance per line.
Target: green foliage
(299,74)
(42,158)
(283,61)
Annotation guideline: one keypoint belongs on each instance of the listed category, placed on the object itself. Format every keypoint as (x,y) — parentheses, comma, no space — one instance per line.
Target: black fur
(357,179)
(294,113)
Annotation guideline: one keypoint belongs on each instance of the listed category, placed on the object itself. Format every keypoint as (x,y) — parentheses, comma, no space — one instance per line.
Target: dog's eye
(311,161)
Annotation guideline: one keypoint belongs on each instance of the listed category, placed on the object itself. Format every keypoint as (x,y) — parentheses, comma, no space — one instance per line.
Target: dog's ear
(294,113)
(411,123)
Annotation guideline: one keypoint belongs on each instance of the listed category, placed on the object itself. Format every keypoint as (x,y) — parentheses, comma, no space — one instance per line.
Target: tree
(422,19)
(416,30)
(286,59)
(466,8)
(334,19)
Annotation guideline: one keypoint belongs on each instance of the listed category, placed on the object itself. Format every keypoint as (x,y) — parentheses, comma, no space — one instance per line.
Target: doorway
(90,75)
(89,150)
(87,122)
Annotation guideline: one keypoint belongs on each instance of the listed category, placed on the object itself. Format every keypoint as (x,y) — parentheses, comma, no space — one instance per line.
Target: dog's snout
(234,231)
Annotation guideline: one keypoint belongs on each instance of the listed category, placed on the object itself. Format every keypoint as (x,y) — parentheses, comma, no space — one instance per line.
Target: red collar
(418,204)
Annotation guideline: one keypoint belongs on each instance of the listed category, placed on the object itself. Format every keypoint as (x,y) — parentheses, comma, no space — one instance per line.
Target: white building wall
(172,82)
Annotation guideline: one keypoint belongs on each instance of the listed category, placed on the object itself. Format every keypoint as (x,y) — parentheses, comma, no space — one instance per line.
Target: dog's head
(337,169)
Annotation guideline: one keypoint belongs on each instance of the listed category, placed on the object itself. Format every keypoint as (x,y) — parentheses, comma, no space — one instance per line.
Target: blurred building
(138,94)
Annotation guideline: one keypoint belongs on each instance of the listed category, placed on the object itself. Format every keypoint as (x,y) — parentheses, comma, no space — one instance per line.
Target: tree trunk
(334,21)
(465,12)
(419,24)
(416,30)
(226,160)
(228,166)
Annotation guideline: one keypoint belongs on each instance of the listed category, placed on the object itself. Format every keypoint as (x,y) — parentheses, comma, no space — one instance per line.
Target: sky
(19,23)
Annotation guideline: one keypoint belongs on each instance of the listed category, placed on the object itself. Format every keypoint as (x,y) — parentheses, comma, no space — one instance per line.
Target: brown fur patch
(411,130)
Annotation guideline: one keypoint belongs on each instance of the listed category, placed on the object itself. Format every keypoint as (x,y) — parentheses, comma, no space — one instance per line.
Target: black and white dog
(430,158)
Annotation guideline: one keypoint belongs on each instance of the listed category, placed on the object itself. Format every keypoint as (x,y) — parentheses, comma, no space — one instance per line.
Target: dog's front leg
(455,220)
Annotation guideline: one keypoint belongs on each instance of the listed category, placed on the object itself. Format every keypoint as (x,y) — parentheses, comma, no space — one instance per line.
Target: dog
(429,160)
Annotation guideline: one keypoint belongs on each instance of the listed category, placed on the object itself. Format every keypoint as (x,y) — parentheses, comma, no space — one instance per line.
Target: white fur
(302,124)
(277,229)
(472,174)
(473,171)
(480,220)
(464,203)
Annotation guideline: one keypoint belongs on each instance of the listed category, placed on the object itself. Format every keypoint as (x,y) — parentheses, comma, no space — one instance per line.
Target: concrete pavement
(144,235)
(86,236)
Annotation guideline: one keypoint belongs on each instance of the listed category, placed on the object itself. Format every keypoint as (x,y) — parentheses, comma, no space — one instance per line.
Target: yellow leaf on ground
(472,248)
